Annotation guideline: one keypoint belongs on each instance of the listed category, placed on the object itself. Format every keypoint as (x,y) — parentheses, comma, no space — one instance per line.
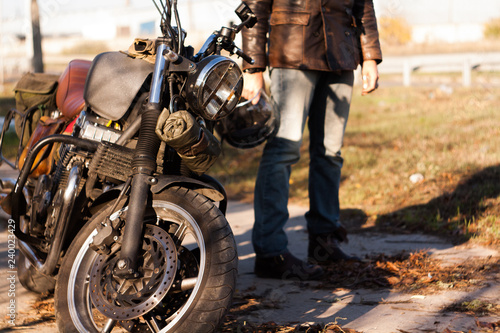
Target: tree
(37,60)
(394,30)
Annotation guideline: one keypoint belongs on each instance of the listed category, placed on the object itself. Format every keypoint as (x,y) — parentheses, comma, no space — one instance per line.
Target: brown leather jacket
(324,35)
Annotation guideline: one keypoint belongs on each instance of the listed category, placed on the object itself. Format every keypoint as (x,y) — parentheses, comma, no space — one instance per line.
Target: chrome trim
(201,78)
(30,254)
(156,83)
(246,102)
(48,266)
(206,69)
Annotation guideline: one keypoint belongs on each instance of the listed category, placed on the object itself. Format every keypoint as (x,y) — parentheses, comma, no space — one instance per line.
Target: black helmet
(249,124)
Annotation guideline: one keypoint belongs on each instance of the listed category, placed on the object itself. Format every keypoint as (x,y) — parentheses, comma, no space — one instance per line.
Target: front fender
(206,186)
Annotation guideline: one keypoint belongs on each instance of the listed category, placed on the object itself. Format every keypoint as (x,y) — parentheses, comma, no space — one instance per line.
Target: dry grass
(449,137)
(485,45)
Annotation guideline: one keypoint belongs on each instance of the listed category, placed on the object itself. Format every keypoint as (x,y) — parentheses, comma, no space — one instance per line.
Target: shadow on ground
(451,214)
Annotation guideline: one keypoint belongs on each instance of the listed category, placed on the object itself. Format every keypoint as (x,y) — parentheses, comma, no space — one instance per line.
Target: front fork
(143,165)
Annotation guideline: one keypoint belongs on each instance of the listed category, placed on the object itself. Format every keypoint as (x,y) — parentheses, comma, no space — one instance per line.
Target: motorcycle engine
(91,127)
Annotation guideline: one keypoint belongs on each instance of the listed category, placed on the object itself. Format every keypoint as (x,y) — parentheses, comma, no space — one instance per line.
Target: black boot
(286,267)
(324,249)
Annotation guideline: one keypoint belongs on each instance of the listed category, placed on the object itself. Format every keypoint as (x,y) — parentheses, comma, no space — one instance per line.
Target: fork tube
(143,165)
(156,84)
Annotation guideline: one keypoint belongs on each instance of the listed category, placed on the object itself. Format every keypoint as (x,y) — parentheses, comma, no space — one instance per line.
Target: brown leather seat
(69,96)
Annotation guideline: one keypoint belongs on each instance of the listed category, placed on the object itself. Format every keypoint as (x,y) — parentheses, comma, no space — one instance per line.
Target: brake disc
(123,299)
(170,304)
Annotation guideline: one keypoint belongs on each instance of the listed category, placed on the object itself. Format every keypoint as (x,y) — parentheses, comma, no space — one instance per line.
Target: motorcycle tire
(33,280)
(203,254)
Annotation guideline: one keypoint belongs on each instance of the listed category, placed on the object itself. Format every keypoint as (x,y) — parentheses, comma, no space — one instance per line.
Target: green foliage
(6,103)
(394,30)
(492,29)
(10,145)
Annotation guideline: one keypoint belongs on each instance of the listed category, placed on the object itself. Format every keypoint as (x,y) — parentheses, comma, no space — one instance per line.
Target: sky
(17,8)
(414,11)
(440,11)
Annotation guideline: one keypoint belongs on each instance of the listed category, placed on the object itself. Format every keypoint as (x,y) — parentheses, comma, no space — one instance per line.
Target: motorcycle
(112,199)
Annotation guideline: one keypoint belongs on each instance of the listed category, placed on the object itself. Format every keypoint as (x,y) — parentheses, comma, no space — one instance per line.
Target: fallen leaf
(393,280)
(483,324)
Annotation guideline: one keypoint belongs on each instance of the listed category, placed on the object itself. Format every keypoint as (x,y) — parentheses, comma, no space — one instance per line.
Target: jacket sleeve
(255,39)
(369,40)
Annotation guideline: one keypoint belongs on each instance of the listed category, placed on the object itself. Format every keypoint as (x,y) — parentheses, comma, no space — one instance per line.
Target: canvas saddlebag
(35,95)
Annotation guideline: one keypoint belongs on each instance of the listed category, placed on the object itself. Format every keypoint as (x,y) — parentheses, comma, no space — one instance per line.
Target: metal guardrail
(464,63)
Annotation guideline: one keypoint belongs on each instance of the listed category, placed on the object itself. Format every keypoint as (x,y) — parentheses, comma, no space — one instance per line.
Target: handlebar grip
(244,56)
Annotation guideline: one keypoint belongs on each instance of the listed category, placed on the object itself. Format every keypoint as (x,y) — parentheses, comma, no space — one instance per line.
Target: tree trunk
(37,61)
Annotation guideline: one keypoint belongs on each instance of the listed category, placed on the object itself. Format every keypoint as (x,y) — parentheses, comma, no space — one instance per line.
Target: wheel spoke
(139,285)
(180,233)
(120,287)
(148,259)
(110,324)
(123,298)
(188,283)
(151,322)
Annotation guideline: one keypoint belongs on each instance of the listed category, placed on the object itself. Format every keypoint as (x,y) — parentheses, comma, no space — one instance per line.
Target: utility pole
(2,79)
(37,61)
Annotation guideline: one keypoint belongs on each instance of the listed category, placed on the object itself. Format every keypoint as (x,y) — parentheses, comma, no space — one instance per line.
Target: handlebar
(242,54)
(224,38)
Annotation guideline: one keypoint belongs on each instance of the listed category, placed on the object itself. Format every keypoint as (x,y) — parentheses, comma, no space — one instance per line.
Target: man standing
(312,48)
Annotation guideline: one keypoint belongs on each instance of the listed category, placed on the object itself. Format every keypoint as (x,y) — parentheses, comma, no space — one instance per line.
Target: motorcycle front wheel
(188,267)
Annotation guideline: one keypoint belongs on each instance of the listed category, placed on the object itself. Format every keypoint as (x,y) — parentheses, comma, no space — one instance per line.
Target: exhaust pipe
(48,265)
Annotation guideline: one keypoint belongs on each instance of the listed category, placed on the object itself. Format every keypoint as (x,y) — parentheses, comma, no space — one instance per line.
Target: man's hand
(253,85)
(369,74)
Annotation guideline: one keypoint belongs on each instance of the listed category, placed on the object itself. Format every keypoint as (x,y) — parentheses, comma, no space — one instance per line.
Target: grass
(6,103)
(449,137)
(10,145)
(475,307)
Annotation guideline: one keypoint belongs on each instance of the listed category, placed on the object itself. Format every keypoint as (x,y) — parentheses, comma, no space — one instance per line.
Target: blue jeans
(325,99)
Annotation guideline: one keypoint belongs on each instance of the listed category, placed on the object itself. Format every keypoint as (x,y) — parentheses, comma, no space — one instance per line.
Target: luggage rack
(6,125)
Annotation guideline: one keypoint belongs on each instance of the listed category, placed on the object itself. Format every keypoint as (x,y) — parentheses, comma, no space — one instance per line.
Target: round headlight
(215,87)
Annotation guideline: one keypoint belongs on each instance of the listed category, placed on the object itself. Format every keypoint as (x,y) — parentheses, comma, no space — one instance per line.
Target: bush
(394,30)
(492,29)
